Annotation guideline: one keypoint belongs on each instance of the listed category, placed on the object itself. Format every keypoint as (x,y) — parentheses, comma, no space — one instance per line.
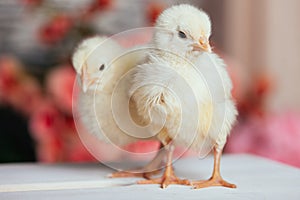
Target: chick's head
(92,59)
(183,29)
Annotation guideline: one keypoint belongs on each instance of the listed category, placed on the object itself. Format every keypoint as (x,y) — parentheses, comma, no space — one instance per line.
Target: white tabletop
(256,178)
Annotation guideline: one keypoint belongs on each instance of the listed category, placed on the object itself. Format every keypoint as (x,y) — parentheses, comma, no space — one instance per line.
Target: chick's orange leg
(126,174)
(216,179)
(152,168)
(168,176)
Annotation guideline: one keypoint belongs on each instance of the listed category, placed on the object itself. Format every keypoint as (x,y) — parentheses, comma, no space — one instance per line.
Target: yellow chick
(184,91)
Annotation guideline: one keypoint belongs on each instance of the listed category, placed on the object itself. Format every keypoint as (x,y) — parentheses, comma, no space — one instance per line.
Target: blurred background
(258,39)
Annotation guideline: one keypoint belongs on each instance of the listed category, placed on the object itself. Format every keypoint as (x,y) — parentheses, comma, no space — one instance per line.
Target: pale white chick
(202,119)
(100,62)
(91,57)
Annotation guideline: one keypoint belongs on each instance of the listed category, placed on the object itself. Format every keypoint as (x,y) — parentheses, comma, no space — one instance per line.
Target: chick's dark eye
(102,67)
(181,34)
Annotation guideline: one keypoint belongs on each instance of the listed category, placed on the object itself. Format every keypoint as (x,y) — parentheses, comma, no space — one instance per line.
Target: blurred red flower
(59,83)
(10,73)
(153,11)
(102,4)
(96,5)
(55,29)
(46,122)
(252,101)
(32,2)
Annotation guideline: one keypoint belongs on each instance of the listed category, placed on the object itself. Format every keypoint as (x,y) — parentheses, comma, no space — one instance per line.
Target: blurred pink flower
(143,146)
(182,152)
(74,150)
(100,150)
(60,84)
(27,96)
(145,150)
(17,88)
(274,136)
(131,39)
(142,150)
(49,151)
(46,122)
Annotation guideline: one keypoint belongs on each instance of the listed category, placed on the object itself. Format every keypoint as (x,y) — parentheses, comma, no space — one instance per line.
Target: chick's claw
(165,181)
(167,178)
(214,181)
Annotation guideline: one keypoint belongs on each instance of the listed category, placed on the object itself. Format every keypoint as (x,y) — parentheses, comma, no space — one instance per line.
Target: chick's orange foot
(167,178)
(164,181)
(214,181)
(216,178)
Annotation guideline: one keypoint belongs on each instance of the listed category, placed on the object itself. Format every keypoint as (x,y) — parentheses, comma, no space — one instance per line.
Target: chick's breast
(175,97)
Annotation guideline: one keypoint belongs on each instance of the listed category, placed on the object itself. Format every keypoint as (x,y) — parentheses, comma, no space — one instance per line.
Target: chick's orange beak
(202,45)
